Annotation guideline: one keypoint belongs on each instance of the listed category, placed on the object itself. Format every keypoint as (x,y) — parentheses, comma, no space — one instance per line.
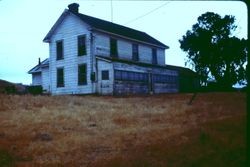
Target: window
(82,74)
(60,77)
(135,55)
(81,45)
(113,48)
(118,75)
(59,50)
(154,56)
(158,78)
(105,75)
(131,76)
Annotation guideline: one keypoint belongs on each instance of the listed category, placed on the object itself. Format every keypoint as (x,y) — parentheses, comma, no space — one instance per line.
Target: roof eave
(46,40)
(130,62)
(51,31)
(170,67)
(104,59)
(32,72)
(38,67)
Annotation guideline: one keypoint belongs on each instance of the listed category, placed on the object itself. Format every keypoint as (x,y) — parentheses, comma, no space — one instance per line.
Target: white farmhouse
(88,55)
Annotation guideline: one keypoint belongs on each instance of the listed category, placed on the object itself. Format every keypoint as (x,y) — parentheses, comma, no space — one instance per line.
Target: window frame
(82,52)
(82,81)
(59,55)
(106,76)
(60,82)
(130,76)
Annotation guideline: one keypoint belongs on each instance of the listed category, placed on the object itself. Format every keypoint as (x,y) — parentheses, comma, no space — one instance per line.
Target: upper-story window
(113,47)
(59,50)
(135,52)
(81,41)
(154,56)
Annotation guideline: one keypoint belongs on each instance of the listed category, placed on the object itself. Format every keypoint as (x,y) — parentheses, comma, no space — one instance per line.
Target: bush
(11,89)
(215,87)
(35,90)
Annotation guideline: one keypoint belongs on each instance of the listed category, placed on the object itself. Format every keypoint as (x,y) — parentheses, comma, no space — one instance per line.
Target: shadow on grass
(6,159)
(220,143)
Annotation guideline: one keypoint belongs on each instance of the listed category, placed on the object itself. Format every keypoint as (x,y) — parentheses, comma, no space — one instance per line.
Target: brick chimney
(39,61)
(73,7)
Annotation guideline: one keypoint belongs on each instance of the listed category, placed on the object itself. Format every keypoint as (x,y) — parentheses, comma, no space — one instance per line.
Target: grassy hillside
(7,87)
(150,131)
(4,84)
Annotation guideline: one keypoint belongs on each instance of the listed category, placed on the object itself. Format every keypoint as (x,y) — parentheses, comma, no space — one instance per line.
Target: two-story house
(88,55)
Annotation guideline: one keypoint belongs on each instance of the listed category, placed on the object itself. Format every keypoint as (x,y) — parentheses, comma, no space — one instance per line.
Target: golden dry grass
(89,130)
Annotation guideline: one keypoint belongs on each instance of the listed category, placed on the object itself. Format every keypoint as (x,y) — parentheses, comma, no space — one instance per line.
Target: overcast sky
(24,24)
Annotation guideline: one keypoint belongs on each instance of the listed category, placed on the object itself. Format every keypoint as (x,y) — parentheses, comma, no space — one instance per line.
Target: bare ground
(159,130)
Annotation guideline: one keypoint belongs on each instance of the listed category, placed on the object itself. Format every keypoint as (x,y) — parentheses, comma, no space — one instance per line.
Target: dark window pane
(154,56)
(124,75)
(82,45)
(164,78)
(135,52)
(82,74)
(118,75)
(60,77)
(131,76)
(105,75)
(59,50)
(113,48)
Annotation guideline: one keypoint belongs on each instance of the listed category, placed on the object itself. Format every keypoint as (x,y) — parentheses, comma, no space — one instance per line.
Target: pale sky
(24,24)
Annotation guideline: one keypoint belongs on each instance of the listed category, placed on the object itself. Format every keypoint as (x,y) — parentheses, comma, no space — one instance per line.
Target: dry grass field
(148,131)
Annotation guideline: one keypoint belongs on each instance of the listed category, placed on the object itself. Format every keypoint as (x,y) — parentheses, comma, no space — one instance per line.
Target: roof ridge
(118,29)
(112,23)
(109,27)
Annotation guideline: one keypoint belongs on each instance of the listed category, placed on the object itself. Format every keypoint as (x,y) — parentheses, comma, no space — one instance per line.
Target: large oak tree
(214,52)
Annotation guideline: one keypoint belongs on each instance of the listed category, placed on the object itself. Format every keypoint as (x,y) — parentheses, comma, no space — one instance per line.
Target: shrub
(11,89)
(35,90)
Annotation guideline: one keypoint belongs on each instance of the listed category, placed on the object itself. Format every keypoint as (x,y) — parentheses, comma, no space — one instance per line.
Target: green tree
(214,52)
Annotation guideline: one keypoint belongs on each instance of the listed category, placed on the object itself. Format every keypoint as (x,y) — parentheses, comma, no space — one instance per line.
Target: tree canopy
(214,52)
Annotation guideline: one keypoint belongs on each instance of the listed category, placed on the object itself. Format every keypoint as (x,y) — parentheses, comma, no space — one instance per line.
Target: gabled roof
(38,67)
(119,30)
(109,27)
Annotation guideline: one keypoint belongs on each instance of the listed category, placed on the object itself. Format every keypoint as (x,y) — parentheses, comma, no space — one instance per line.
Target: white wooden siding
(134,68)
(124,47)
(102,44)
(45,79)
(36,79)
(68,31)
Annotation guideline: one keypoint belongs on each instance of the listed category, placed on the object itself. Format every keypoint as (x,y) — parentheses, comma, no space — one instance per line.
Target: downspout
(50,70)
(91,60)
(97,86)
(113,91)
